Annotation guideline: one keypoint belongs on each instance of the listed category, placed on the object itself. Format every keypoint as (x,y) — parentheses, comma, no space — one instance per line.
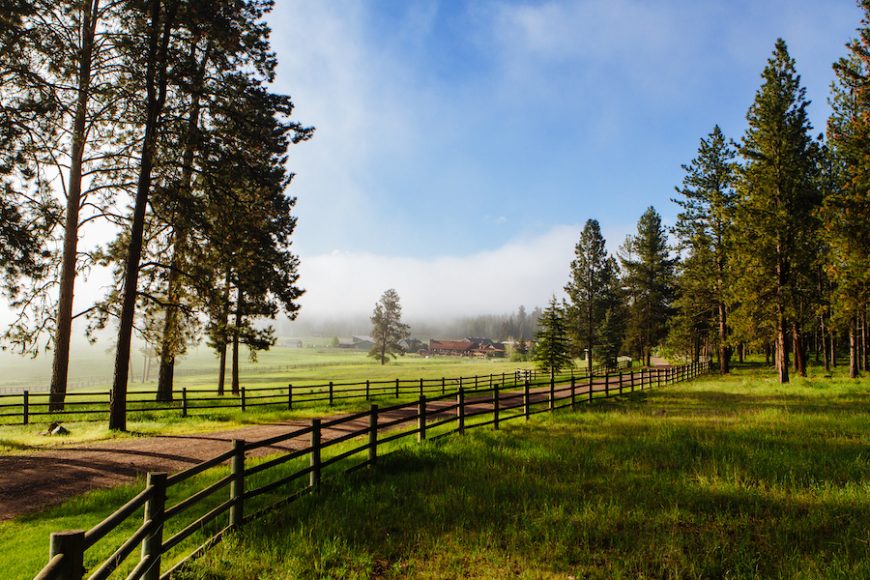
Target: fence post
(443,386)
(421,387)
(620,383)
(552,403)
(475,382)
(421,420)
(606,385)
(490,380)
(373,435)
(460,400)
(237,485)
(526,410)
(460,382)
(591,381)
(72,545)
(573,392)
(26,407)
(184,401)
(152,545)
(397,388)
(290,397)
(243,399)
(631,375)
(496,404)
(330,393)
(368,387)
(314,474)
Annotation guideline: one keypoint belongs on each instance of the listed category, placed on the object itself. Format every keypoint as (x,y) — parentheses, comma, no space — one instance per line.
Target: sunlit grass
(737,478)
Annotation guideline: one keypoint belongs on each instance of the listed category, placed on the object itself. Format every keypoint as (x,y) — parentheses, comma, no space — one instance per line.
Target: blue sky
(471,140)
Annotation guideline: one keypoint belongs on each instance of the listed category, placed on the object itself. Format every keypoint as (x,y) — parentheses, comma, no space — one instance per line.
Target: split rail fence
(185,513)
(30,407)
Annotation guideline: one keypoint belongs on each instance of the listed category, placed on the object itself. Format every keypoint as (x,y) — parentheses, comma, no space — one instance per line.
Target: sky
(460,146)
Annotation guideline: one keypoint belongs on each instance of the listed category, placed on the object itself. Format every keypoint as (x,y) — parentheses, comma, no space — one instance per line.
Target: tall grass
(724,478)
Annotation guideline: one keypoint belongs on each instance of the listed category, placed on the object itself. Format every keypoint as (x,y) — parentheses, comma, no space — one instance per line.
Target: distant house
(473,347)
(356,343)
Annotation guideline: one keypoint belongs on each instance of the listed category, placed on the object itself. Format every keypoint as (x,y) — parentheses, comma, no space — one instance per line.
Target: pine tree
(649,278)
(703,229)
(590,289)
(775,234)
(387,327)
(552,349)
(846,209)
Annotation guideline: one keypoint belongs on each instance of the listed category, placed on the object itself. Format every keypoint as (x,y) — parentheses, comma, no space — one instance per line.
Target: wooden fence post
(237,485)
(573,392)
(591,381)
(631,375)
(620,383)
(443,386)
(606,385)
(152,545)
(373,435)
(496,404)
(552,403)
(475,382)
(460,401)
(331,388)
(397,388)
(526,402)
(421,420)
(184,401)
(421,387)
(314,475)
(72,545)
(368,388)
(243,399)
(290,397)
(26,407)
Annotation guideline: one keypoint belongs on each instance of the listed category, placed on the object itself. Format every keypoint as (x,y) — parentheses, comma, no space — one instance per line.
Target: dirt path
(42,479)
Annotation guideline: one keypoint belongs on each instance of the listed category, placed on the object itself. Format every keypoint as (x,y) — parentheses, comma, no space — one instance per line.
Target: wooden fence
(202,516)
(27,407)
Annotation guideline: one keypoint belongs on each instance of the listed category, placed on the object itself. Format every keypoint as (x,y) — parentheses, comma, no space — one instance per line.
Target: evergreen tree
(775,233)
(846,209)
(703,228)
(649,278)
(387,327)
(590,289)
(552,349)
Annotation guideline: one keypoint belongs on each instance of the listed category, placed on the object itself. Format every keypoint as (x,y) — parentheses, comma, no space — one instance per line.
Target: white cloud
(526,271)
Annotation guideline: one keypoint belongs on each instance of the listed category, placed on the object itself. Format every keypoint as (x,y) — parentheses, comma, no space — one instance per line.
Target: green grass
(276,368)
(730,478)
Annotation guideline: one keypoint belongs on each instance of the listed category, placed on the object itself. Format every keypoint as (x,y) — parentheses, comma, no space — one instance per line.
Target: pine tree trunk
(800,354)
(782,351)
(864,338)
(222,348)
(834,349)
(63,330)
(853,347)
(740,353)
(826,352)
(155,84)
(724,351)
(238,325)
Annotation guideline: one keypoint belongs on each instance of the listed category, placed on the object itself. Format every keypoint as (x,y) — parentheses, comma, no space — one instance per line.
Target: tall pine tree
(846,209)
(590,290)
(775,230)
(649,279)
(703,229)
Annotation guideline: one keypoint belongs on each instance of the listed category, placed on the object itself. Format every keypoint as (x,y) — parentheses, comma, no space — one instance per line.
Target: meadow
(727,478)
(197,372)
(735,477)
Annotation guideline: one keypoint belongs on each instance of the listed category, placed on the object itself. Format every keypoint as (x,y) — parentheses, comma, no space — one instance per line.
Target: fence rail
(93,405)
(426,418)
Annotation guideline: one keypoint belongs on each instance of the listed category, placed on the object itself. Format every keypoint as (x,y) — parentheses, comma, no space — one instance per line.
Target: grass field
(730,478)
(277,368)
